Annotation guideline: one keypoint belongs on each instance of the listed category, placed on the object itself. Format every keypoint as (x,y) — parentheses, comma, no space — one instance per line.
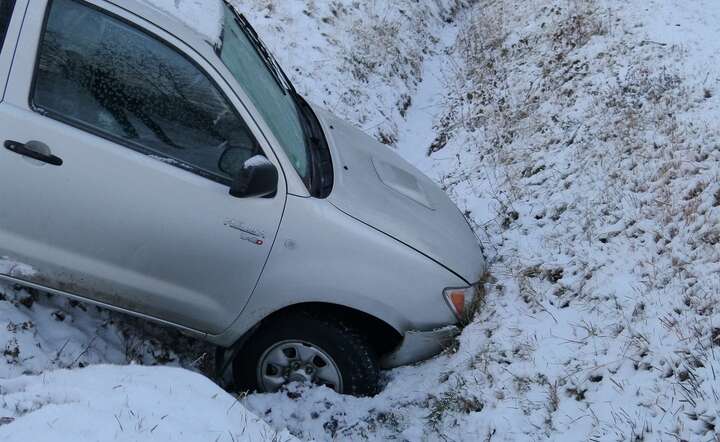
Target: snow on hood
(125,403)
(203,16)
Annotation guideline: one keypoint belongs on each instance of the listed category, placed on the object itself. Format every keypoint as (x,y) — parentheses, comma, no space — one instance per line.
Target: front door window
(106,76)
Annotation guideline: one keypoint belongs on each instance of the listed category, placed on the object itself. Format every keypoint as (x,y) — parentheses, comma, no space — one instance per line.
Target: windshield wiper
(265,55)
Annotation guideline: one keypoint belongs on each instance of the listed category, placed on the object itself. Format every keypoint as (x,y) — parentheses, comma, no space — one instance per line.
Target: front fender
(323,255)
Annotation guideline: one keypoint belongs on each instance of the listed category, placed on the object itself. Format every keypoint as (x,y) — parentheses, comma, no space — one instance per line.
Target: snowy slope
(581,138)
(125,404)
(40,332)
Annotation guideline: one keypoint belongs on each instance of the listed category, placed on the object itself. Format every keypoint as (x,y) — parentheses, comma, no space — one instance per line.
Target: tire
(339,345)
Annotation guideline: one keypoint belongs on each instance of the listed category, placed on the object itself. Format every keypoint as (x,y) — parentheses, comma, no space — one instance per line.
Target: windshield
(266,89)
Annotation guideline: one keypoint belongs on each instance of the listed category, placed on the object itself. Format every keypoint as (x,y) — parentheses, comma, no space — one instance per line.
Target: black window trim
(137,147)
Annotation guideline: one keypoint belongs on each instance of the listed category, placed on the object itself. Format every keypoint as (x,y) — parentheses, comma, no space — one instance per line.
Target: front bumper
(418,346)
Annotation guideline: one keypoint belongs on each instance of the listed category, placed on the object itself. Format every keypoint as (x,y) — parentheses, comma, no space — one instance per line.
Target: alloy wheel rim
(297,361)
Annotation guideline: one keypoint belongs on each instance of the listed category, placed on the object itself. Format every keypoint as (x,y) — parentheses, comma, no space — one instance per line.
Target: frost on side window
(119,82)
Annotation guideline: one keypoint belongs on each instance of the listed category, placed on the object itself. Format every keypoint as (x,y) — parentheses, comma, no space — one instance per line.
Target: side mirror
(257,178)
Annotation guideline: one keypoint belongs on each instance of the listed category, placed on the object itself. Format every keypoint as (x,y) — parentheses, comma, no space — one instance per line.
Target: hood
(376,186)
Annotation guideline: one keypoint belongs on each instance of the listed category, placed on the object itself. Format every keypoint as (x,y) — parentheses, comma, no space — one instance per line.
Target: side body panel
(324,255)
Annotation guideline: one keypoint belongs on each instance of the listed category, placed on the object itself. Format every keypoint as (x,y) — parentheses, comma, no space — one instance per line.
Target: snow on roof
(203,16)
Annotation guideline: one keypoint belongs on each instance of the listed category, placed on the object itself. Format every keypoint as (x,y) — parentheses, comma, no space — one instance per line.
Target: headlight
(461,299)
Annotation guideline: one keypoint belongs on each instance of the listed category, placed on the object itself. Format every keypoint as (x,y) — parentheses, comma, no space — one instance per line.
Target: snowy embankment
(581,138)
(126,404)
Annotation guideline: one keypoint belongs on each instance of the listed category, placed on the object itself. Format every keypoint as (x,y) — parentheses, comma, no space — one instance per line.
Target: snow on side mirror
(257,178)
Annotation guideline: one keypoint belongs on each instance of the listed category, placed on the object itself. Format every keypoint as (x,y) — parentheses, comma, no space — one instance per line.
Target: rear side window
(102,74)
(6,9)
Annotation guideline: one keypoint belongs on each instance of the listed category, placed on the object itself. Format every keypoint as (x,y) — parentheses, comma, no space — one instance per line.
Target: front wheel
(305,349)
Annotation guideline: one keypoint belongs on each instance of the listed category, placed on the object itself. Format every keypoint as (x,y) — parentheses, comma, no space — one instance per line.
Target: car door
(109,180)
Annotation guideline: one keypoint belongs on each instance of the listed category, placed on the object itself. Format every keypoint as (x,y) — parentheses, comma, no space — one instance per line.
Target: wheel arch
(383,336)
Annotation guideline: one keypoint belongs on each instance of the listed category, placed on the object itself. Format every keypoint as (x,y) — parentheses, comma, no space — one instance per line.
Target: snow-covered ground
(126,404)
(581,138)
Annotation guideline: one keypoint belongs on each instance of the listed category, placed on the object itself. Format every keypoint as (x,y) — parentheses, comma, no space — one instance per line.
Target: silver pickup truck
(151,170)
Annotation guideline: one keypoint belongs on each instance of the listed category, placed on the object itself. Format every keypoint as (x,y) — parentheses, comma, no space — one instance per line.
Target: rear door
(123,201)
